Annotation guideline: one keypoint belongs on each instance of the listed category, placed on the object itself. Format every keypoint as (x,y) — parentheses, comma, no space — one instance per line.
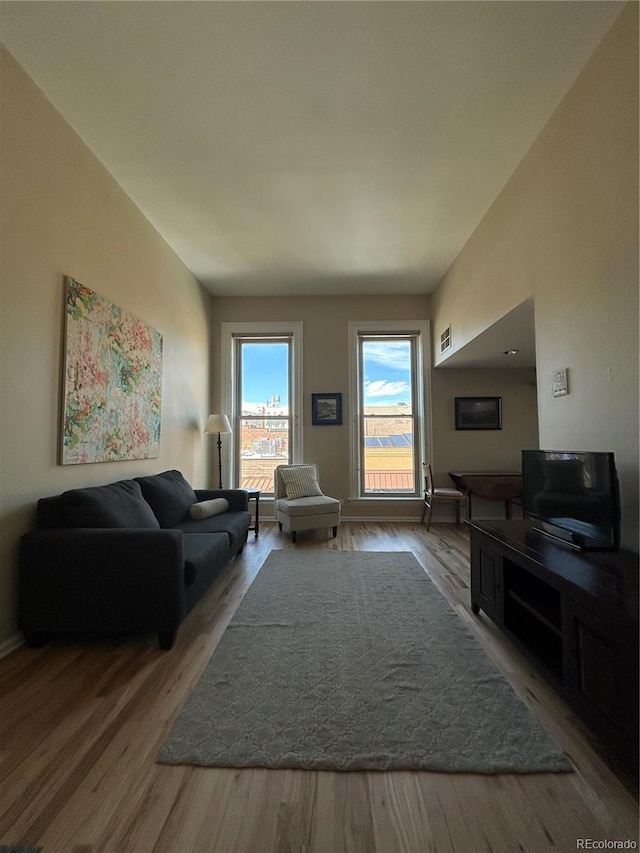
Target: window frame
(229,381)
(420,331)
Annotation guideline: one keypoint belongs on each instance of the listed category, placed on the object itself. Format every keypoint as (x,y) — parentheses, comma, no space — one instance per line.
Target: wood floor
(81,723)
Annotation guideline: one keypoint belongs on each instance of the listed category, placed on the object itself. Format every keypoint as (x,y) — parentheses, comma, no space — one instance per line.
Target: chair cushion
(207,509)
(118,504)
(169,496)
(300,507)
(300,482)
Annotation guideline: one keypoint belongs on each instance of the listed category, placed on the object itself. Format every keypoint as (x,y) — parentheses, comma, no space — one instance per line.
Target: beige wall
(565,230)
(326,368)
(61,214)
(489,450)
(325,324)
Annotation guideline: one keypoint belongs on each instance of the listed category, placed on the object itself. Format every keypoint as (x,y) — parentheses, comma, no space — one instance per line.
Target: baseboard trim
(11,645)
(408,519)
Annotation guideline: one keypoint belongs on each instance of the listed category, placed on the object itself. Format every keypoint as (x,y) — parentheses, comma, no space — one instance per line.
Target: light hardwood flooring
(81,723)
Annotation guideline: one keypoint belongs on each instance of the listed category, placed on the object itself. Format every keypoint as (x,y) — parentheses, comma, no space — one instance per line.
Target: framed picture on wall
(112,382)
(326,409)
(478,412)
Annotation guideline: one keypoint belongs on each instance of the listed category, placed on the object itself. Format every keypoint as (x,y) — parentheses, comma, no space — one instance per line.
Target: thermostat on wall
(561,382)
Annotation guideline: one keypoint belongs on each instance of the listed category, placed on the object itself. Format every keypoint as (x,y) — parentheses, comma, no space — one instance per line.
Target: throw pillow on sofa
(169,496)
(207,509)
(118,504)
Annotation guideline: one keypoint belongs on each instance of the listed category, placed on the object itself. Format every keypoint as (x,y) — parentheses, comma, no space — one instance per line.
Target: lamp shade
(218,423)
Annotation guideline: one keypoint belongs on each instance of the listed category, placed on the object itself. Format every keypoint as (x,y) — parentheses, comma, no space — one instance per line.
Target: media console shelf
(574,615)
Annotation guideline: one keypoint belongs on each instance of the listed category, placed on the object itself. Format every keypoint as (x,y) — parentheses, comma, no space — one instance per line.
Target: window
(387,394)
(261,390)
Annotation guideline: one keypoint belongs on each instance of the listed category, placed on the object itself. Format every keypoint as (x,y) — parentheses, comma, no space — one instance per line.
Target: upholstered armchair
(299,501)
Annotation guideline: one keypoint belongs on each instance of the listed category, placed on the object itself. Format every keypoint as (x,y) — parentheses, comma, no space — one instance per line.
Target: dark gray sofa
(126,557)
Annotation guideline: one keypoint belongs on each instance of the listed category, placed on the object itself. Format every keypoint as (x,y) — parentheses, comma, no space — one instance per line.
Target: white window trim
(424,440)
(228,372)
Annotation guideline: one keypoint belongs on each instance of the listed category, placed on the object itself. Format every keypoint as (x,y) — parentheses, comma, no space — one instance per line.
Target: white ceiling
(308,147)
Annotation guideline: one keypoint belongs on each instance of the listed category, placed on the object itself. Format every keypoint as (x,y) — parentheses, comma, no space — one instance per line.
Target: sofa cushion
(51,513)
(300,482)
(118,504)
(169,496)
(234,524)
(201,551)
(207,509)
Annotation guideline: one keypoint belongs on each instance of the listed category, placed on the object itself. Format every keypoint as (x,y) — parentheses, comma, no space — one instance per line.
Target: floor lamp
(221,425)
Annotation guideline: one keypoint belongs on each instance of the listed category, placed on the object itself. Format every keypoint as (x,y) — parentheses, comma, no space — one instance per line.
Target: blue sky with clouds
(264,373)
(387,372)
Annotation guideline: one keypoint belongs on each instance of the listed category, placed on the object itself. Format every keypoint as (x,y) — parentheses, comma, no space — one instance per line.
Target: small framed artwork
(326,409)
(478,412)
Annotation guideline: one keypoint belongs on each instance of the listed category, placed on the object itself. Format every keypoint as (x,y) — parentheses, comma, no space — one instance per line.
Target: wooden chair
(439,495)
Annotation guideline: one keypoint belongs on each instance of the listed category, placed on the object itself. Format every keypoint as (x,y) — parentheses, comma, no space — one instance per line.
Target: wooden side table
(490,485)
(254,495)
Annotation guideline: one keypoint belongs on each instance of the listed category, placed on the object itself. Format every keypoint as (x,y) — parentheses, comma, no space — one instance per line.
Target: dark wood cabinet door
(486,581)
(601,666)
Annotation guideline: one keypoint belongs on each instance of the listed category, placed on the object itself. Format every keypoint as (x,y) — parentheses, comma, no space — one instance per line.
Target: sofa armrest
(237,498)
(107,579)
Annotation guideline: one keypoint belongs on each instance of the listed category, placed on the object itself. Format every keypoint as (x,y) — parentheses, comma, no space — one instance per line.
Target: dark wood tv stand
(574,615)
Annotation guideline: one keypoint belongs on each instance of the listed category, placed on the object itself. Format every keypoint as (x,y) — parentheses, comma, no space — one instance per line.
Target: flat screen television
(574,495)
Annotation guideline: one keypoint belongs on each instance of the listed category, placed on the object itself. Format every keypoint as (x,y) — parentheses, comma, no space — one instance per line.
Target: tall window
(389,401)
(263,411)
(261,387)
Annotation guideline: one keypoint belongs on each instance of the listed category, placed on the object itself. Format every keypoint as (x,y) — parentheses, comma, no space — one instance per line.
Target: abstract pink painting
(112,381)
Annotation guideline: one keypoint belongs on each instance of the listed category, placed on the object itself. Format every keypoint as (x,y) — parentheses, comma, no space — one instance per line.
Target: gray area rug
(343,660)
